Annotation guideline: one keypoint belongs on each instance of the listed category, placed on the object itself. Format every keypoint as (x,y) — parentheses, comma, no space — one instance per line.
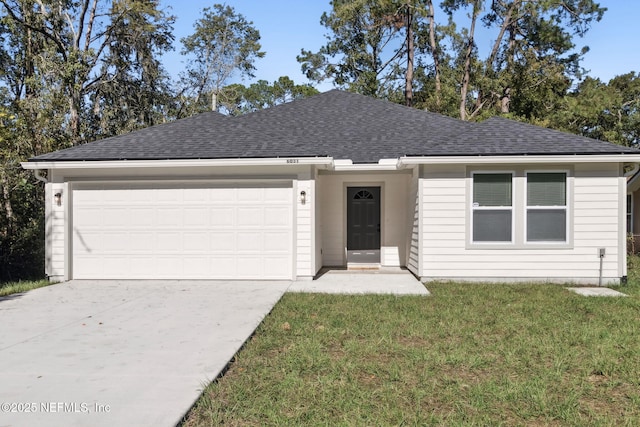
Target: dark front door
(363,218)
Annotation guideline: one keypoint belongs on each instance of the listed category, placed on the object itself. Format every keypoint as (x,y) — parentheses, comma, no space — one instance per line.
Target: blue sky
(286,26)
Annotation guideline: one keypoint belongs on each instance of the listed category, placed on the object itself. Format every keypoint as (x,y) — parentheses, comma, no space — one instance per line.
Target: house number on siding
(293,161)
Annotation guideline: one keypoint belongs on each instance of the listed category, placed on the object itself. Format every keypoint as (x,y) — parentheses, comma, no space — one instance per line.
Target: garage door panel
(196,217)
(253,266)
(222,195)
(138,196)
(249,195)
(170,195)
(88,216)
(138,266)
(195,195)
(88,242)
(277,195)
(83,198)
(169,217)
(196,242)
(249,216)
(197,266)
(276,216)
(119,196)
(202,231)
(109,265)
(87,266)
(116,217)
(107,241)
(221,216)
(141,241)
(223,267)
(276,266)
(249,242)
(169,241)
(140,216)
(222,241)
(164,266)
(277,241)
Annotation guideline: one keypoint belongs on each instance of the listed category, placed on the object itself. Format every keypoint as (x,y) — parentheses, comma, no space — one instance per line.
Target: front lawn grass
(468,355)
(9,288)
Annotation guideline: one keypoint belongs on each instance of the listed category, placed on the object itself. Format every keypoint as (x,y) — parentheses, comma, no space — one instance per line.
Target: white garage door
(175,231)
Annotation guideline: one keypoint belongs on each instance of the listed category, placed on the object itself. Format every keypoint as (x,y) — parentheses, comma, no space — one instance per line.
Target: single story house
(338,179)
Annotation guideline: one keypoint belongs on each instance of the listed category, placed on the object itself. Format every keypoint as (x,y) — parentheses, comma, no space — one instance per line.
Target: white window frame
(474,208)
(519,208)
(566,207)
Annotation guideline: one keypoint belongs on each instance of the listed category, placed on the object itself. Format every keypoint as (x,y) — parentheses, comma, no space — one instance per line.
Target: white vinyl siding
(316,197)
(55,217)
(413,257)
(304,228)
(443,220)
(594,224)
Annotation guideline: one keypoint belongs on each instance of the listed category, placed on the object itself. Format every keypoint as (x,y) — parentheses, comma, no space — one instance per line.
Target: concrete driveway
(107,353)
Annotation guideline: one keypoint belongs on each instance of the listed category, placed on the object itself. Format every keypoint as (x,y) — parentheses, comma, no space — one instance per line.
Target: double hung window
(492,207)
(520,208)
(546,207)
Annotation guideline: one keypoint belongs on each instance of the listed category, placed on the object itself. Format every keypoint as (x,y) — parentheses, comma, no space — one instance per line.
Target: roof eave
(520,159)
(175,163)
(339,165)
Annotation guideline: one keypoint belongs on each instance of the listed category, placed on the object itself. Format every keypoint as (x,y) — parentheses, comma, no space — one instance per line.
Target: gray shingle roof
(500,136)
(334,124)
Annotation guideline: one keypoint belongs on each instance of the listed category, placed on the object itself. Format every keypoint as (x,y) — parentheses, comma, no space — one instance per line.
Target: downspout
(633,171)
(38,174)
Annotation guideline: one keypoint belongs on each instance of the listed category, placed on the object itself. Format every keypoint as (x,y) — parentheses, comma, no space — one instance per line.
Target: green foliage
(87,59)
(134,91)
(237,99)
(531,65)
(10,288)
(21,212)
(223,43)
(533,58)
(603,111)
(72,71)
(361,52)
